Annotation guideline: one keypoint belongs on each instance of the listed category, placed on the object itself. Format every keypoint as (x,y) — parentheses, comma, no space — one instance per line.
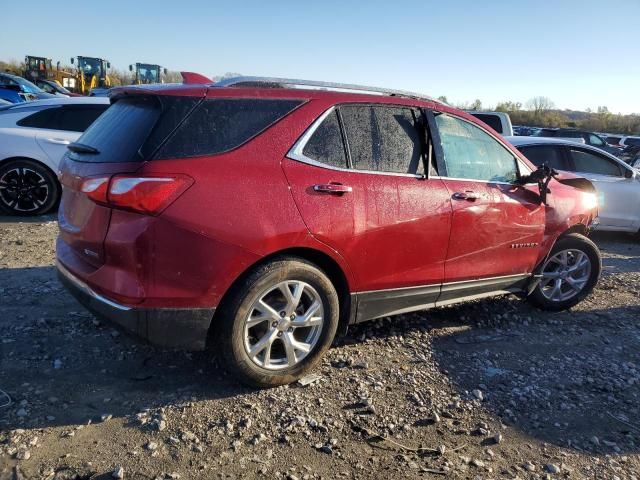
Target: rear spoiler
(191,78)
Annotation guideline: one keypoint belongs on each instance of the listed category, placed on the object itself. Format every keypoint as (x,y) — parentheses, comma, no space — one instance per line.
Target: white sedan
(33,138)
(617,184)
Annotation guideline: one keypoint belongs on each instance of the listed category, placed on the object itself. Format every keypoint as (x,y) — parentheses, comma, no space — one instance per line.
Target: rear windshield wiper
(82,148)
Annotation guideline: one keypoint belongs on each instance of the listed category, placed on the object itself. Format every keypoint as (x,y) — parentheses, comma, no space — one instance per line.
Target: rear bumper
(184,328)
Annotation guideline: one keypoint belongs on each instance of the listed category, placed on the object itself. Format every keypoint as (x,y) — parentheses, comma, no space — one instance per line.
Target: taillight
(96,189)
(149,194)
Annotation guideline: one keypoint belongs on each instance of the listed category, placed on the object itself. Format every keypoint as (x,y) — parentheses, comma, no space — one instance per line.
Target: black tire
(27,188)
(574,242)
(229,334)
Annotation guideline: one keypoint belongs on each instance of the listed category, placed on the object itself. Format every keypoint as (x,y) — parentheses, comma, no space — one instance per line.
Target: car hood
(575,181)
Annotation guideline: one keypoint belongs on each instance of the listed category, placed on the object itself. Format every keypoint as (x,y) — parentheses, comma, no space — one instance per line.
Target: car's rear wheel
(27,188)
(277,322)
(569,273)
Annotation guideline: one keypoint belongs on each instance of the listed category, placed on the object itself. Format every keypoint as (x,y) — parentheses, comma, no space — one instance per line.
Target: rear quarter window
(220,125)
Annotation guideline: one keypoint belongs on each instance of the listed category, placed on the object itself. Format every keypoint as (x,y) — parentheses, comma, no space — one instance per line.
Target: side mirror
(72,60)
(628,173)
(108,65)
(131,68)
(165,71)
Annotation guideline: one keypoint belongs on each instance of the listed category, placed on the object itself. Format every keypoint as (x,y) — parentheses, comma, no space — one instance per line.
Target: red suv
(263,216)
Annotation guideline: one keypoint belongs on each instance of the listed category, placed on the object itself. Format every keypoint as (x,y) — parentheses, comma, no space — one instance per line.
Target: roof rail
(273,82)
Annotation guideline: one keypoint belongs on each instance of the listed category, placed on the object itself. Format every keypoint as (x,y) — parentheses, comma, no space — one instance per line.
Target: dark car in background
(49,86)
(579,136)
(16,89)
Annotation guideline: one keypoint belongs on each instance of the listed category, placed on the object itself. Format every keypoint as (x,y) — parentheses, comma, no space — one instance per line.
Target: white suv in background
(499,121)
(33,138)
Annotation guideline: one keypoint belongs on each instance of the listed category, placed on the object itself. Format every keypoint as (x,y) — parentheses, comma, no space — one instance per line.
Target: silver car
(617,184)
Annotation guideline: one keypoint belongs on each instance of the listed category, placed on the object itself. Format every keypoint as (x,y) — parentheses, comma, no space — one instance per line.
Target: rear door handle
(332,188)
(468,195)
(58,141)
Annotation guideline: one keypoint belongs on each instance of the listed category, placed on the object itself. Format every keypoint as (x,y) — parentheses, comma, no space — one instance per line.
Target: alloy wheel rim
(565,275)
(23,189)
(283,325)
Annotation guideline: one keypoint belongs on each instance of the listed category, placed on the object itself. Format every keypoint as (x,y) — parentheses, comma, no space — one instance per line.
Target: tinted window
(492,120)
(326,145)
(541,154)
(71,118)
(219,125)
(41,119)
(471,153)
(120,132)
(360,128)
(569,134)
(78,118)
(384,139)
(399,131)
(589,162)
(632,141)
(613,140)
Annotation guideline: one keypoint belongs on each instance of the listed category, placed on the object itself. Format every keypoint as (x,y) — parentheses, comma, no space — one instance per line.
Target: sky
(580,54)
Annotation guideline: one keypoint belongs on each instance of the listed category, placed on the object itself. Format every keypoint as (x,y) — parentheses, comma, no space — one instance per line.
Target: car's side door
(497,224)
(617,186)
(357,177)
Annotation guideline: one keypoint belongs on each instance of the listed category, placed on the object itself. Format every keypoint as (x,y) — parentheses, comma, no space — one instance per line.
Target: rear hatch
(118,142)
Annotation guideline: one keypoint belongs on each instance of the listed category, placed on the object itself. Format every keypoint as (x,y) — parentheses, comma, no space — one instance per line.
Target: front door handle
(332,188)
(58,141)
(467,195)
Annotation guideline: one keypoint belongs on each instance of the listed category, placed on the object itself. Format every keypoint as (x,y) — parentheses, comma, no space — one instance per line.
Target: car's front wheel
(277,323)
(27,188)
(569,273)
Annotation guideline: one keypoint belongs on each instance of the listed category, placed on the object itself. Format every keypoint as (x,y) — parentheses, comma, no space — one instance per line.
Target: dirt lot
(491,389)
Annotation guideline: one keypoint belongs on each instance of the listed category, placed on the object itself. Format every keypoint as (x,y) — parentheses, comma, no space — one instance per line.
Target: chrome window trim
(295,153)
(456,179)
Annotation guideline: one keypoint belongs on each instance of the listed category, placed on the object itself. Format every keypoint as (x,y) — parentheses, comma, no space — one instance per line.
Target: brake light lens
(149,195)
(96,189)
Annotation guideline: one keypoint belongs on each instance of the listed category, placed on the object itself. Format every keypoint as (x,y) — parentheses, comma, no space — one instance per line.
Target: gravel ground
(490,389)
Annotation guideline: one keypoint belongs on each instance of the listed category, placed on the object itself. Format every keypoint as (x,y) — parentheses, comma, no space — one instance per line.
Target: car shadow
(571,380)
(61,366)
(567,378)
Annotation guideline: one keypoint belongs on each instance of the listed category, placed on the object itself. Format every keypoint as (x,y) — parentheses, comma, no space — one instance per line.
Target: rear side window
(384,138)
(70,118)
(41,119)
(552,156)
(591,162)
(492,120)
(120,132)
(326,144)
(219,125)
(632,141)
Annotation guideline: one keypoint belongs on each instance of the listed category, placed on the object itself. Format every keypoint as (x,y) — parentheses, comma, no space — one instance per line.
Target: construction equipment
(146,73)
(91,73)
(39,68)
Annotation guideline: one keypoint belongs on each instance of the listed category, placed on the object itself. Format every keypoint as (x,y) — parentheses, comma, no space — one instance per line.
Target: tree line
(541,112)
